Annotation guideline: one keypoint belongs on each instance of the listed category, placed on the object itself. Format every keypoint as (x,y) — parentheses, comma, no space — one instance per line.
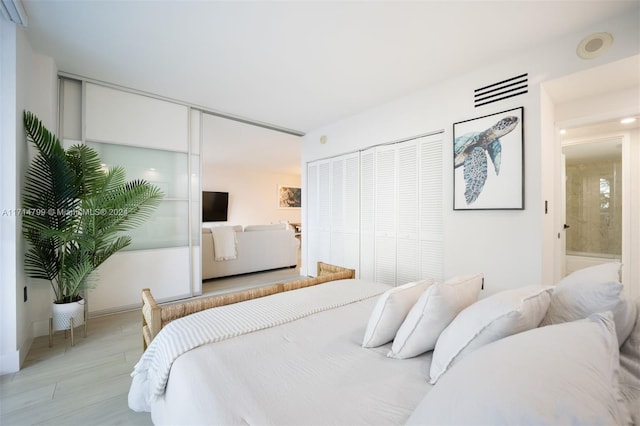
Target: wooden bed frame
(154,317)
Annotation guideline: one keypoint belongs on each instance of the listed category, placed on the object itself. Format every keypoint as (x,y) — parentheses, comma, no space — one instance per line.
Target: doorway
(594,192)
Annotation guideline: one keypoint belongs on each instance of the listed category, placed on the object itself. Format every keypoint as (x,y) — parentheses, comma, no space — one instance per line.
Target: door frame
(626,194)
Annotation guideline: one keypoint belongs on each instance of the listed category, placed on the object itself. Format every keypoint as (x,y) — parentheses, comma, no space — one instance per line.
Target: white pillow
(500,315)
(563,374)
(630,368)
(605,272)
(588,291)
(435,309)
(390,310)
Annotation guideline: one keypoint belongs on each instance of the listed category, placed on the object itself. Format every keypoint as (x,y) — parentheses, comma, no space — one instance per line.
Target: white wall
(27,82)
(252,194)
(506,245)
(43,102)
(9,355)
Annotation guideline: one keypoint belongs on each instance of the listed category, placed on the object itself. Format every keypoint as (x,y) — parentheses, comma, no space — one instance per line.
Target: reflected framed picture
(488,162)
(289,197)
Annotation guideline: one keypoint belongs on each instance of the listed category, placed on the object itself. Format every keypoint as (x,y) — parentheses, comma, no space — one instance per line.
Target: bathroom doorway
(594,192)
(590,105)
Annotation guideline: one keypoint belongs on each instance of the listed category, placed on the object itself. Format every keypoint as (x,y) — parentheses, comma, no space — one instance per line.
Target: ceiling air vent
(508,88)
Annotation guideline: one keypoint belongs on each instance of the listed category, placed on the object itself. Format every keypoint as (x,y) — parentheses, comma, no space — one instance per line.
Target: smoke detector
(594,45)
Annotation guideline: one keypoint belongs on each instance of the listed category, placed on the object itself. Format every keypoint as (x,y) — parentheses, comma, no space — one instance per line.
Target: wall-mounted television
(215,206)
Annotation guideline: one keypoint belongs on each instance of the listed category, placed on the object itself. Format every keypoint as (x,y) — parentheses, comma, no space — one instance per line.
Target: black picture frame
(488,162)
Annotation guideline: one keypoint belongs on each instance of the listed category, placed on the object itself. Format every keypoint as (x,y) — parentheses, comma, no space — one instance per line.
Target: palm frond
(87,168)
(114,178)
(109,248)
(46,143)
(75,277)
(131,205)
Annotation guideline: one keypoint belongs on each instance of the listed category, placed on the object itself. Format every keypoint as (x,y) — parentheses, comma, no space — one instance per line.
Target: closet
(379,211)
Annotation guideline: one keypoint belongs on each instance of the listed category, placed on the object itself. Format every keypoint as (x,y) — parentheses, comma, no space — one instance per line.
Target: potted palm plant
(75,213)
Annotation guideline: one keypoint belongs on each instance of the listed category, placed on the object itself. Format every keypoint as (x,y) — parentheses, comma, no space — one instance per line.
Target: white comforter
(308,372)
(215,325)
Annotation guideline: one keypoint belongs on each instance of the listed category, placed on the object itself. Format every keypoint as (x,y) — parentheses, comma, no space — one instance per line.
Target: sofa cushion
(271,227)
(207,229)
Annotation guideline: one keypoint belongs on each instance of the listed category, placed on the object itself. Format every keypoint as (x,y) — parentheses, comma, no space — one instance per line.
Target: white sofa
(259,248)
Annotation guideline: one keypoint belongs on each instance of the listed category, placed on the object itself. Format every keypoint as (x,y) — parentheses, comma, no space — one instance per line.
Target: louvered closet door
(319,214)
(379,211)
(407,252)
(345,210)
(367,214)
(324,212)
(385,215)
(431,218)
(312,226)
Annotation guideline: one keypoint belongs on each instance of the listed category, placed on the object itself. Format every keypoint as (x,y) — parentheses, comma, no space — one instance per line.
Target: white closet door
(385,215)
(345,210)
(380,211)
(337,212)
(367,214)
(324,213)
(352,211)
(312,226)
(431,218)
(407,256)
(333,211)
(318,214)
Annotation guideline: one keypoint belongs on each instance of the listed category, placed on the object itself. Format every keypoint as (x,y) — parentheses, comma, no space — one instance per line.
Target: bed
(155,316)
(297,357)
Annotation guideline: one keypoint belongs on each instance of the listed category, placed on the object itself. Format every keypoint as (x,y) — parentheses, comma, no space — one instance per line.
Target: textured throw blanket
(151,373)
(224,243)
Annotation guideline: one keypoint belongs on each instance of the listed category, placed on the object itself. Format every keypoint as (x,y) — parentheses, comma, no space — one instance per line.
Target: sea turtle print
(470,151)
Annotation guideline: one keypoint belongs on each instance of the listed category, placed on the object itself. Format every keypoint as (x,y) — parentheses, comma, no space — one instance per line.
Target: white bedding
(295,358)
(312,371)
(214,325)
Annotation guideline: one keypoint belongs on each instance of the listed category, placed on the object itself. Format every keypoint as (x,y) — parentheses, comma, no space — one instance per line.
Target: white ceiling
(596,141)
(596,81)
(593,141)
(296,64)
(230,143)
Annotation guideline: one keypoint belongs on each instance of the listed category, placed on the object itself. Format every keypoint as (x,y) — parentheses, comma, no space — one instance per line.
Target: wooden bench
(154,316)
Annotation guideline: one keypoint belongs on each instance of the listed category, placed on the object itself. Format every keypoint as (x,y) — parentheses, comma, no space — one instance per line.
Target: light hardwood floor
(87,384)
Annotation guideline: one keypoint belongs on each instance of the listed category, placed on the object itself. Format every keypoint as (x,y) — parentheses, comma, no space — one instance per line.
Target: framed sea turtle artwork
(488,162)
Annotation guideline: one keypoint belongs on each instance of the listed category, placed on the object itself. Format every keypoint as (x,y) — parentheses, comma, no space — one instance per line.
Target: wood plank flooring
(87,384)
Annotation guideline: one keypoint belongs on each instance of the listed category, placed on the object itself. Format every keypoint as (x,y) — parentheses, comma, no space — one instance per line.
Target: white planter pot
(63,312)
